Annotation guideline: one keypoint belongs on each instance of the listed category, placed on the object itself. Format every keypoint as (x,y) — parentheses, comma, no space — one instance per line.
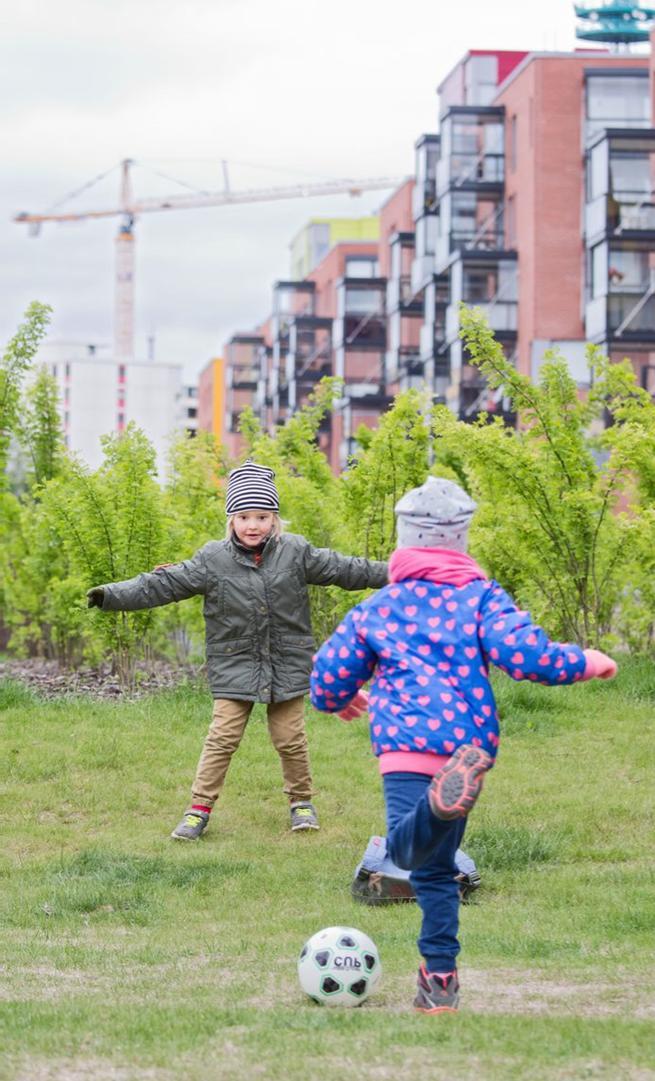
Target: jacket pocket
(231,665)
(296,652)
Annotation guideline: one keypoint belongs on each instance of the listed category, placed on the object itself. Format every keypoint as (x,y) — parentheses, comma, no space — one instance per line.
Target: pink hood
(434,564)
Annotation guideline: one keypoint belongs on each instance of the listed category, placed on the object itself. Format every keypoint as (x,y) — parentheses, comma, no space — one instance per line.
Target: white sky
(301,89)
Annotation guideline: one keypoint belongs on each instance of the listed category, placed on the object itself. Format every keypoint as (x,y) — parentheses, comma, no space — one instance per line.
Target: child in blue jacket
(427,640)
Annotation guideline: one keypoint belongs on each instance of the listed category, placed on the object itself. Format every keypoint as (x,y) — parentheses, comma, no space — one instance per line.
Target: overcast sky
(295,89)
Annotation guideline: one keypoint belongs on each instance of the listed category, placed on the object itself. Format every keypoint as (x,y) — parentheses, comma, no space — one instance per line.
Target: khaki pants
(286,725)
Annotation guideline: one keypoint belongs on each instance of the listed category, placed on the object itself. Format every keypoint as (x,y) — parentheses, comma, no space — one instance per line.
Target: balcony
(621,186)
(622,317)
(469,222)
(472,151)
(244,355)
(361,314)
(310,349)
(243,377)
(424,196)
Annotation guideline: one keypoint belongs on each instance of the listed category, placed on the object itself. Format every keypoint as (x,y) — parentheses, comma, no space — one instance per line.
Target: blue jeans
(421,843)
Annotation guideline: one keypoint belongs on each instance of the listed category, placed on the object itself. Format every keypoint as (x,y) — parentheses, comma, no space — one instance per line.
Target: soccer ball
(339,966)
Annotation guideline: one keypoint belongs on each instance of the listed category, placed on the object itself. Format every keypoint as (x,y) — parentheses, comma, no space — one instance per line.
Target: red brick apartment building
(534,201)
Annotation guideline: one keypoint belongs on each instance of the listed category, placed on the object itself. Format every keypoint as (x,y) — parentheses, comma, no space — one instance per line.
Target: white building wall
(99,396)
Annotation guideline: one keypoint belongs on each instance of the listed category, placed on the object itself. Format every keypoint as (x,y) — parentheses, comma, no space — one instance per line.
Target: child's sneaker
(457,785)
(192,825)
(303,816)
(436,992)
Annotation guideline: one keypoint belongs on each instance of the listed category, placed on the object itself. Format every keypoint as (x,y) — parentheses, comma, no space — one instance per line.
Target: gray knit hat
(251,487)
(436,515)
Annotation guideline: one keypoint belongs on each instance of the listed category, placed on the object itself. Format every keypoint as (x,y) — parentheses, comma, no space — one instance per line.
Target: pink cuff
(590,670)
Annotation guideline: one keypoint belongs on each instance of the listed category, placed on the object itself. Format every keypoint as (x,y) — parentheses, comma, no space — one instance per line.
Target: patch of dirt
(49,680)
(87,1070)
(526,991)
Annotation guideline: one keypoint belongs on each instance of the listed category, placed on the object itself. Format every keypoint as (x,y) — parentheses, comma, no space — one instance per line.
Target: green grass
(125,956)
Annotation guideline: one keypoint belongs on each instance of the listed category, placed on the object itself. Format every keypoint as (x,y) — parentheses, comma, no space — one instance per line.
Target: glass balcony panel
(638,216)
(628,270)
(422,271)
(358,267)
(293,298)
(364,330)
(477,168)
(596,318)
(427,230)
(616,101)
(631,314)
(245,374)
(631,174)
(597,217)
(597,173)
(364,301)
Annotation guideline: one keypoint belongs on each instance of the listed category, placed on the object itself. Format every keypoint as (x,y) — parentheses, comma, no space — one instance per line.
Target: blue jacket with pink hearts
(428,646)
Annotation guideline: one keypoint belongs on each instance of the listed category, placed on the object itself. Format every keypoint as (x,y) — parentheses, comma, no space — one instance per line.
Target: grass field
(125,956)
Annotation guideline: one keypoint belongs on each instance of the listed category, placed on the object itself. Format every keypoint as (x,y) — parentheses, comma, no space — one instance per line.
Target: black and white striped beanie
(251,487)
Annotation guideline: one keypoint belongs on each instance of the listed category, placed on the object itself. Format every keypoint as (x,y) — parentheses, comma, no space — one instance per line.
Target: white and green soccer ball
(339,966)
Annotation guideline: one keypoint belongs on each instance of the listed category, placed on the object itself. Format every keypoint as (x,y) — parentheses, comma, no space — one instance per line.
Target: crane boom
(129,208)
(221,198)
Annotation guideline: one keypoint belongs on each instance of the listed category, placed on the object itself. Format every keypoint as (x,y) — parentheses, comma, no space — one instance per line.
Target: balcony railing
(401,296)
(244,376)
(364,331)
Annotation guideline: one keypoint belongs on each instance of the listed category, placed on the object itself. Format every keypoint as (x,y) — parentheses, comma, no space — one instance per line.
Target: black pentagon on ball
(329,986)
(347,942)
(358,988)
(322,958)
(304,951)
(369,961)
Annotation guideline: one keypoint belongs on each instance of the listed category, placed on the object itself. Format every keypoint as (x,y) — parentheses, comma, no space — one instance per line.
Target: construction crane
(129,208)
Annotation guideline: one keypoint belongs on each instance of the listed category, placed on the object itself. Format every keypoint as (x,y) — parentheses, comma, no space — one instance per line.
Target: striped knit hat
(251,487)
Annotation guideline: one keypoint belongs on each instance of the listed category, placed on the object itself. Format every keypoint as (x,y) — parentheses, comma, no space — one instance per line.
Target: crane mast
(129,208)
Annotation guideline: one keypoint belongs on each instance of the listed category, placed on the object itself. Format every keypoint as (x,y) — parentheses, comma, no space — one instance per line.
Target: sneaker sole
(456,786)
(304,826)
(177,837)
(435,1009)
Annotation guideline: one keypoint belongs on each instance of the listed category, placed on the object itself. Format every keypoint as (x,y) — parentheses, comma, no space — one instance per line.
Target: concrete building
(320,235)
(533,199)
(99,396)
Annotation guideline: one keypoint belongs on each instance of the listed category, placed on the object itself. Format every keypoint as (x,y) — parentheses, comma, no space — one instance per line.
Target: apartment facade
(532,200)
(99,395)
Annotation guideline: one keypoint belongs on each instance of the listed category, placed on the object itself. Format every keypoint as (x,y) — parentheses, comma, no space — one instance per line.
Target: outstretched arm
(342,665)
(171,582)
(325,567)
(510,640)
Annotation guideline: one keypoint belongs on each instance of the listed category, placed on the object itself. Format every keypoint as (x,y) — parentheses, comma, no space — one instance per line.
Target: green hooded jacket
(258,630)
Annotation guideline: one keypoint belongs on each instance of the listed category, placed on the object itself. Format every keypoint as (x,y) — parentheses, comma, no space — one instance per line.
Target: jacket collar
(246,555)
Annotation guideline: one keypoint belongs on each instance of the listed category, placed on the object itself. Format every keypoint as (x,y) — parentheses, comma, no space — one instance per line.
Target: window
(54,371)
(512,142)
(631,174)
(121,373)
(479,285)
(619,101)
(367,301)
(67,371)
(511,221)
(628,271)
(361,267)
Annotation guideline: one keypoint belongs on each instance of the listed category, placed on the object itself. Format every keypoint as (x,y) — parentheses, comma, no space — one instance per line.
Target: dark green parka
(257,622)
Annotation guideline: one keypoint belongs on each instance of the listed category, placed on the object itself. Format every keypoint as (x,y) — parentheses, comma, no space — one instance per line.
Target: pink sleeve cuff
(590,671)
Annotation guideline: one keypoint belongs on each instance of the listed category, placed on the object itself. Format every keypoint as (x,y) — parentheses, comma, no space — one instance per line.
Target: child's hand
(95,597)
(599,665)
(355,708)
